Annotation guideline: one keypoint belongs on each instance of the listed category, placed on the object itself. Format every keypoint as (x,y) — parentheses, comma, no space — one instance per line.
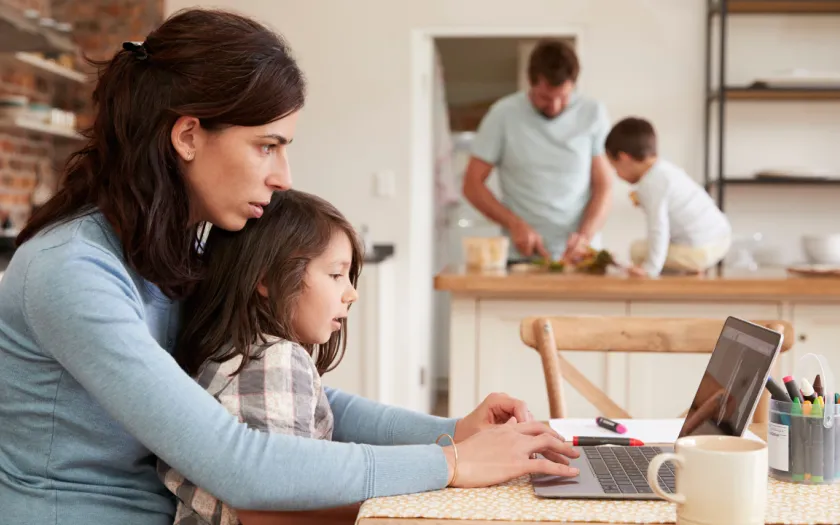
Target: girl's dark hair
(226,315)
(220,67)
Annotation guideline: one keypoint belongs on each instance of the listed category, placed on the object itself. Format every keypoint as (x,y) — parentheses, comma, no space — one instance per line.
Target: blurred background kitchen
(397,89)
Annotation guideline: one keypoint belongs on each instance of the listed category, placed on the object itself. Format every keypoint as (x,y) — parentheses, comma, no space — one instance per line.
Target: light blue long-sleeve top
(90,394)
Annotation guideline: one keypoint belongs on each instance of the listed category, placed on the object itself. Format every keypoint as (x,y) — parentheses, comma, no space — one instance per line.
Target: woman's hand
(496,409)
(505,452)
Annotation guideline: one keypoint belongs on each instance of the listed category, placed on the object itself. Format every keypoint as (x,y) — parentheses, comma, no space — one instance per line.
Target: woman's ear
(262,290)
(185,137)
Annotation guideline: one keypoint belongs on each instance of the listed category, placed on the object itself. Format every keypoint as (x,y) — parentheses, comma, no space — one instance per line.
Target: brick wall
(99,28)
(22,154)
(42,6)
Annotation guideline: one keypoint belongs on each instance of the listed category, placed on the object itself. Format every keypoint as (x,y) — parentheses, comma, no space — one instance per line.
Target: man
(548,146)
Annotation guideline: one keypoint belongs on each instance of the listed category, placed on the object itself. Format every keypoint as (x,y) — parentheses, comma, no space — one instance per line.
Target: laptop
(724,404)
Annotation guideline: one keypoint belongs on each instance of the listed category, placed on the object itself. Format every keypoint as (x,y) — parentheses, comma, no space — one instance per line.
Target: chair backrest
(549,335)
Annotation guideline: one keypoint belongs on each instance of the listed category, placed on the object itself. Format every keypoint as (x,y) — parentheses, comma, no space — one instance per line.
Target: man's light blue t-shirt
(544,164)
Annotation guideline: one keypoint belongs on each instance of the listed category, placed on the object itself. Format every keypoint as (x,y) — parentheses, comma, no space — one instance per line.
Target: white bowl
(822,249)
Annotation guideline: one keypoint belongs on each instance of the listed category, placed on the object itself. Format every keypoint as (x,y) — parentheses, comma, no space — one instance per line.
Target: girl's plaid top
(280,392)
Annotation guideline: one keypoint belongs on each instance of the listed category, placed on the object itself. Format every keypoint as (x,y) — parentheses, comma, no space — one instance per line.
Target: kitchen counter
(486,308)
(764,284)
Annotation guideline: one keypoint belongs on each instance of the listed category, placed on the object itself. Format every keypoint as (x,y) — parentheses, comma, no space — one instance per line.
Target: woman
(191,128)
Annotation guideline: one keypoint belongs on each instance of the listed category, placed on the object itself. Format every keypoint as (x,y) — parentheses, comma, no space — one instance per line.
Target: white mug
(721,480)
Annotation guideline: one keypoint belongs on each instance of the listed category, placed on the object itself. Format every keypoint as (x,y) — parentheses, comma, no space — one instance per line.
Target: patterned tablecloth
(515,501)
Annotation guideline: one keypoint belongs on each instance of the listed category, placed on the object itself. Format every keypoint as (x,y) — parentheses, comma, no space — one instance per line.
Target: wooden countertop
(774,284)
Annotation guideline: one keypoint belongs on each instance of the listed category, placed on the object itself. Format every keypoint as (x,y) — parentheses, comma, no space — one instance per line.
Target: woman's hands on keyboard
(505,452)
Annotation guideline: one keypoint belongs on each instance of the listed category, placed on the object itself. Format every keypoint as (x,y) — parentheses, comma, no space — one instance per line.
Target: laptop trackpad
(586,476)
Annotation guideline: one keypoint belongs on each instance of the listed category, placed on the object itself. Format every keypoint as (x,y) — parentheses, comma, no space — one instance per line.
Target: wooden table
(759,429)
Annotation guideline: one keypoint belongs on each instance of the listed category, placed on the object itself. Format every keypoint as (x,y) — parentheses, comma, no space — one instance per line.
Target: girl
(192,127)
(260,338)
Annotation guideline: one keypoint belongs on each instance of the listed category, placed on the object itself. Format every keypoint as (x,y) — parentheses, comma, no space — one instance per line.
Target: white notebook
(649,431)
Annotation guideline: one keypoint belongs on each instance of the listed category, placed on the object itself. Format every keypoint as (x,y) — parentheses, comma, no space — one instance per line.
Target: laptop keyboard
(623,470)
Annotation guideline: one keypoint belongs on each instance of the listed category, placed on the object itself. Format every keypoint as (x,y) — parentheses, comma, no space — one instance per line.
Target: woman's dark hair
(633,136)
(227,316)
(553,60)
(217,66)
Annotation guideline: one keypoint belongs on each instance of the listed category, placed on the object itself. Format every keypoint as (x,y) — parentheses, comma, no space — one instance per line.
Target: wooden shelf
(771,7)
(789,94)
(40,127)
(20,33)
(775,181)
(46,66)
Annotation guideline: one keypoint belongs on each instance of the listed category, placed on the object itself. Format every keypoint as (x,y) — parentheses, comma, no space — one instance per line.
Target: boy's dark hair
(217,66)
(227,316)
(633,136)
(553,60)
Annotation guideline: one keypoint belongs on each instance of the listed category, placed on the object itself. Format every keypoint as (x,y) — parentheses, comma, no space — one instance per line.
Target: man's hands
(576,247)
(527,240)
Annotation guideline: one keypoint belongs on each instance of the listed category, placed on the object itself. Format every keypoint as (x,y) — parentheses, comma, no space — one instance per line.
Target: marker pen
(808,391)
(593,441)
(797,438)
(793,389)
(807,408)
(776,391)
(609,424)
(818,386)
(817,445)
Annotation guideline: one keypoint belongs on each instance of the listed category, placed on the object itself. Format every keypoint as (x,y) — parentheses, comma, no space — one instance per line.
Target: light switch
(385,183)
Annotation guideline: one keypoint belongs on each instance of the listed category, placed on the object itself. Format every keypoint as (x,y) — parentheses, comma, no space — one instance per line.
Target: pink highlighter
(609,424)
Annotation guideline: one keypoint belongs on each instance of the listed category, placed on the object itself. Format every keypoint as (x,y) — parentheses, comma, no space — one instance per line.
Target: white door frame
(421,195)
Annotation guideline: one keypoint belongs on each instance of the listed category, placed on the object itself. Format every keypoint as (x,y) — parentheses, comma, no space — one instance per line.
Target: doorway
(457,75)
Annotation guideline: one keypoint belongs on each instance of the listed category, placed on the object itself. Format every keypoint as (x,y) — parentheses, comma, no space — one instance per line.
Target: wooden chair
(622,334)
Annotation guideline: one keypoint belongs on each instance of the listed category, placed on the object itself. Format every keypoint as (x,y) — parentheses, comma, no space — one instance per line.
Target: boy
(686,230)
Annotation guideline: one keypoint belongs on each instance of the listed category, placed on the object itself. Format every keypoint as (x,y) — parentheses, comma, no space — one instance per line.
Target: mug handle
(653,476)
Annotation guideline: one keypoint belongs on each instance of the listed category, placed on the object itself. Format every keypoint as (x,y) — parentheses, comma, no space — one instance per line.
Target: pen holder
(803,440)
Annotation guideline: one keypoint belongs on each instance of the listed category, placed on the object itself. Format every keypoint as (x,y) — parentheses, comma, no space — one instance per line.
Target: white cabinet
(505,364)
(817,328)
(663,385)
(369,368)
(488,356)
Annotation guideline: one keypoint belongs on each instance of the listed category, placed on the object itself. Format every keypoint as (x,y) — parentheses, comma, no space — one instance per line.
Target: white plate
(815,270)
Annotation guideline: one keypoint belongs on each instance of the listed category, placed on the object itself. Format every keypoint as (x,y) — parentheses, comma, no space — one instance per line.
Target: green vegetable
(556,266)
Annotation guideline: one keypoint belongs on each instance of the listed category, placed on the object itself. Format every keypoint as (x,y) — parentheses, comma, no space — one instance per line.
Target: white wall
(642,57)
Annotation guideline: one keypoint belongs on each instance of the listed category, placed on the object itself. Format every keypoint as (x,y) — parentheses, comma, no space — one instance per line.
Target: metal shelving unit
(720,10)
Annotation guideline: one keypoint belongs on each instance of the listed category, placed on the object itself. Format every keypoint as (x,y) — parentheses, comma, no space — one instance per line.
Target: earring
(190,155)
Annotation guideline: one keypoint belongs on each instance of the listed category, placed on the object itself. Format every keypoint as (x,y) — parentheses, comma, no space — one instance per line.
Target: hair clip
(137,48)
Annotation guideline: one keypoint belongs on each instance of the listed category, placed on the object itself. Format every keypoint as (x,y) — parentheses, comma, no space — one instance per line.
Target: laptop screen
(734,380)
